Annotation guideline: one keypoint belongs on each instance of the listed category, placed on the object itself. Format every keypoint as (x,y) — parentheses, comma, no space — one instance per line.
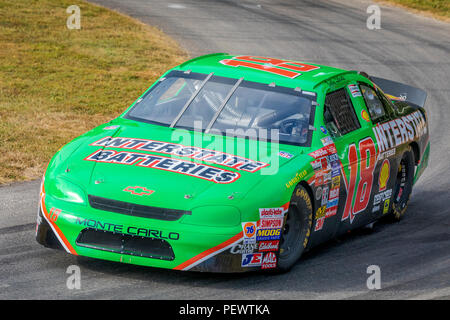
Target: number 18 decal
(285,68)
(356,203)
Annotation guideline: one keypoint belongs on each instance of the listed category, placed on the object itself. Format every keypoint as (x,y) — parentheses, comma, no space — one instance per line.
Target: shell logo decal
(365,115)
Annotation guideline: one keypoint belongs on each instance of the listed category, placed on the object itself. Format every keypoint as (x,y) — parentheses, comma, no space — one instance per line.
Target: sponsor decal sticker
(384,175)
(386,154)
(336,182)
(393,133)
(319,224)
(382,196)
(332,203)
(286,155)
(270,223)
(324,151)
(354,90)
(54,214)
(252,260)
(324,195)
(318,193)
(316,165)
(249,229)
(386,206)
(268,234)
(130,230)
(320,213)
(331,211)
(268,246)
(243,248)
(298,177)
(326,141)
(110,127)
(173,149)
(272,212)
(138,191)
(269,261)
(365,115)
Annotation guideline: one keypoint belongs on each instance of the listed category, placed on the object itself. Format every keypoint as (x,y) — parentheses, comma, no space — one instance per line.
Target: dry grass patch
(439,9)
(57,83)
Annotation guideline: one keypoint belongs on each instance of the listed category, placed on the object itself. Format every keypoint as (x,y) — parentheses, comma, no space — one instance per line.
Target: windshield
(228,106)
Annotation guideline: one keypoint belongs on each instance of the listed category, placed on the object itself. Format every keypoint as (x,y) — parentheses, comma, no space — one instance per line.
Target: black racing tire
(403,185)
(296,229)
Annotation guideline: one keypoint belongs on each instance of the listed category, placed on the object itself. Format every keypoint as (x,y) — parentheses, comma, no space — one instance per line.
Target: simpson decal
(163,163)
(201,154)
(269,223)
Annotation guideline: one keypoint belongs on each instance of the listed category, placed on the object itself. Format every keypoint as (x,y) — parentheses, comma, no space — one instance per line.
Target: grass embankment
(439,9)
(56,83)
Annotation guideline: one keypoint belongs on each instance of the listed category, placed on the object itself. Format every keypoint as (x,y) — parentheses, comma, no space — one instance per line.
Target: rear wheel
(296,230)
(403,186)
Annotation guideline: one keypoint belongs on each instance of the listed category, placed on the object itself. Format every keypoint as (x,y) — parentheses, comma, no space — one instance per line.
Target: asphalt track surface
(413,255)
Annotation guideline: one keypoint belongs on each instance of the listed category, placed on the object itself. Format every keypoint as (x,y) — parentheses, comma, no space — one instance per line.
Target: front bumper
(82,230)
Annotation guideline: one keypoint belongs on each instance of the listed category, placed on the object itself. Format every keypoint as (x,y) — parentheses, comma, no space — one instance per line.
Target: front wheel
(403,186)
(296,230)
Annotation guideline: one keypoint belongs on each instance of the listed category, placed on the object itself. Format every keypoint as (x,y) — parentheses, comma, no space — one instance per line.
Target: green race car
(236,163)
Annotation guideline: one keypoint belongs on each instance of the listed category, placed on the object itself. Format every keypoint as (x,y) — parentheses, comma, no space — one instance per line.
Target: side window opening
(374,104)
(339,113)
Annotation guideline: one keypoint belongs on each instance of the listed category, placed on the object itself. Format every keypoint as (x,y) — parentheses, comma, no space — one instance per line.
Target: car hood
(166,167)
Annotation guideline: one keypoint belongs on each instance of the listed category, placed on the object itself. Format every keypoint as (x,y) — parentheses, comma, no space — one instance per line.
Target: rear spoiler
(401,92)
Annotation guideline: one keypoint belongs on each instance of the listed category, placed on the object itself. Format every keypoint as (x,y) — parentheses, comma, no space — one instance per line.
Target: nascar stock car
(236,163)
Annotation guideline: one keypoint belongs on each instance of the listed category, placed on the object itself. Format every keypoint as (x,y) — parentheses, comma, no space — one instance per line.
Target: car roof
(213,63)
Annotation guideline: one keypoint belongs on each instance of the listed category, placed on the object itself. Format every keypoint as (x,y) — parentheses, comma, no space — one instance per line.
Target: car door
(349,125)
(380,113)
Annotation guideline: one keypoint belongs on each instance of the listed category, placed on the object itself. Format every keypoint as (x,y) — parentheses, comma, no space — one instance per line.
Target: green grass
(437,8)
(57,83)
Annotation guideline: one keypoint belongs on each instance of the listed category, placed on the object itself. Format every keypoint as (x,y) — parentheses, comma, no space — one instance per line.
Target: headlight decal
(51,218)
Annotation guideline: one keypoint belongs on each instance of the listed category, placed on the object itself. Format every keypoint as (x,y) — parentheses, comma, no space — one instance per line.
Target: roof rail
(201,57)
(344,72)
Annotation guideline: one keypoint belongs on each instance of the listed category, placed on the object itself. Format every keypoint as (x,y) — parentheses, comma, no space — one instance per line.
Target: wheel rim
(400,195)
(290,234)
